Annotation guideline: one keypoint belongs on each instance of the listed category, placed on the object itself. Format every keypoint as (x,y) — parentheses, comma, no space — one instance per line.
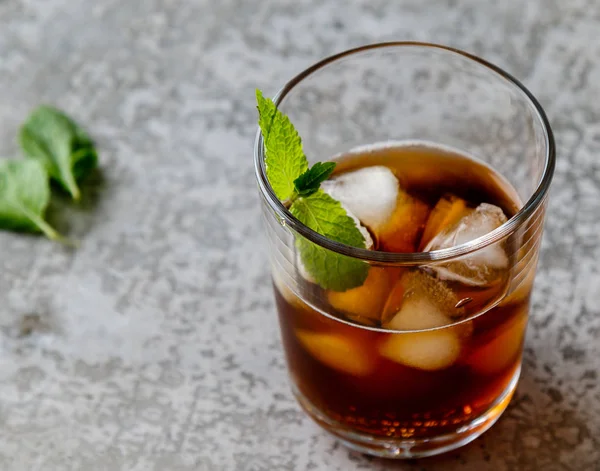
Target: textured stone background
(155,345)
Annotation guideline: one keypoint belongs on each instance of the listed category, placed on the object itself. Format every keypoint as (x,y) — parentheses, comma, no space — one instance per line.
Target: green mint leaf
(64,148)
(323,214)
(285,160)
(24,197)
(309,182)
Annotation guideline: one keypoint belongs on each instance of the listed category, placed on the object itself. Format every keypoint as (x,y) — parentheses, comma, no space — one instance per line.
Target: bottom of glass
(411,448)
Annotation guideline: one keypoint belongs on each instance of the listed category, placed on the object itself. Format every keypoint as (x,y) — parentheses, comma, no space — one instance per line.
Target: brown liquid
(345,371)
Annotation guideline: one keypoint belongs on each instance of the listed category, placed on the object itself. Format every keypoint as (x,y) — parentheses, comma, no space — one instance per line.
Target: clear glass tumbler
(410,92)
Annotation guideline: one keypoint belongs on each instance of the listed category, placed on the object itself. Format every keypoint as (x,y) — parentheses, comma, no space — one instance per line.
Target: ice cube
(363,230)
(447,211)
(482,267)
(341,352)
(402,230)
(370,193)
(502,350)
(420,301)
(365,301)
(426,304)
(418,313)
(429,350)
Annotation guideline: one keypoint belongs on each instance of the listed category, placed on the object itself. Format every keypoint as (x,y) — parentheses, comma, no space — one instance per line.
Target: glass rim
(412,258)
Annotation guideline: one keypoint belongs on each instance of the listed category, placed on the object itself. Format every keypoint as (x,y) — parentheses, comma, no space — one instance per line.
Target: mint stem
(290,201)
(71,185)
(50,232)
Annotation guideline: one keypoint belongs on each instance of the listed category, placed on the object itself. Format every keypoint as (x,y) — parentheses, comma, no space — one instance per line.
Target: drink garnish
(298,187)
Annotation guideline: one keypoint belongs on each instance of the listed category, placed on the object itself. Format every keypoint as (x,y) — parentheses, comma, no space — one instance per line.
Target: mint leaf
(285,160)
(64,148)
(309,182)
(323,214)
(24,197)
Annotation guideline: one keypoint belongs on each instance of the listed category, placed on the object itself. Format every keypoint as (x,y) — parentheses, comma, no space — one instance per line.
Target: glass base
(411,448)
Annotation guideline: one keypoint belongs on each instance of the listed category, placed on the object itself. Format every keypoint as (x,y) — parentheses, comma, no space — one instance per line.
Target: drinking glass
(410,92)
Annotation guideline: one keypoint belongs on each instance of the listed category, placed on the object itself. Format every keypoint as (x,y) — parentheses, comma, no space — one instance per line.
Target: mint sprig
(297,187)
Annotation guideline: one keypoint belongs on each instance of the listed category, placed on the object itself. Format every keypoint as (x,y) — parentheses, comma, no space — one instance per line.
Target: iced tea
(416,352)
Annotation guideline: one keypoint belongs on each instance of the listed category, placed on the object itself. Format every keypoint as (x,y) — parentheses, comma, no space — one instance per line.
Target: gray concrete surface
(155,345)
